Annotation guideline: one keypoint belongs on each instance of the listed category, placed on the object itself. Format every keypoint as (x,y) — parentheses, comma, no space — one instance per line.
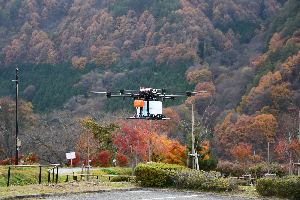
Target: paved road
(148,195)
(62,171)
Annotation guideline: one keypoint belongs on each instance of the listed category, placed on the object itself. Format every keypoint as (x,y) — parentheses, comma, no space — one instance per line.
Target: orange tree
(168,151)
(241,152)
(256,131)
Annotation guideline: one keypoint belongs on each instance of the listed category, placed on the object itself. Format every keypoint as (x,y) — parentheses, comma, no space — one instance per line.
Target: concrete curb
(69,193)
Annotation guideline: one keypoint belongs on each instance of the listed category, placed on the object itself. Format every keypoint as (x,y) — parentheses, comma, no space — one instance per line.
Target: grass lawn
(72,186)
(24,181)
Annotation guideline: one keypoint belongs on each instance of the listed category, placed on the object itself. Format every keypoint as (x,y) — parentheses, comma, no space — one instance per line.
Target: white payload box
(155,108)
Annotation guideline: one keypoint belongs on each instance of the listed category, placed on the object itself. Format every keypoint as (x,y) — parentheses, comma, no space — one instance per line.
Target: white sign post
(71,156)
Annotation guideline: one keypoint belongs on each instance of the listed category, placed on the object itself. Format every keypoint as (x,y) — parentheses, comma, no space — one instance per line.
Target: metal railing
(53,166)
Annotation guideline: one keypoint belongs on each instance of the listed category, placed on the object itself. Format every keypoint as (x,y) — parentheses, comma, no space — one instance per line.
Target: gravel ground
(149,195)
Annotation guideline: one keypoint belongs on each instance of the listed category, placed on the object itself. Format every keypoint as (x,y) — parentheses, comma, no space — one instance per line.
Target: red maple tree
(132,139)
(103,159)
(122,160)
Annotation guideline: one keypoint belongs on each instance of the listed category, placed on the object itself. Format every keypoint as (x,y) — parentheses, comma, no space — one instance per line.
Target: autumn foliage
(241,152)
(91,30)
(168,151)
(103,159)
(252,130)
(13,160)
(31,158)
(92,159)
(133,138)
(287,149)
(122,160)
(199,76)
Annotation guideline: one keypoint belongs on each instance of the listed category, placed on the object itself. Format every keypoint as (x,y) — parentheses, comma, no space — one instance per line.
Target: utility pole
(17,128)
(150,144)
(299,144)
(194,152)
(268,157)
(193,137)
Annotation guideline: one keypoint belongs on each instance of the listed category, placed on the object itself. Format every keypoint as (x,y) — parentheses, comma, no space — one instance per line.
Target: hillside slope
(51,31)
(244,53)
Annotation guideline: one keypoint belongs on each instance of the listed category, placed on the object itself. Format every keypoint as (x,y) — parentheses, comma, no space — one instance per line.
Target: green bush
(195,179)
(265,187)
(121,178)
(165,175)
(261,169)
(123,170)
(282,187)
(110,171)
(153,174)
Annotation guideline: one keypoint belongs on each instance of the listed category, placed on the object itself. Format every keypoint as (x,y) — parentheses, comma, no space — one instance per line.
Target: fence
(53,166)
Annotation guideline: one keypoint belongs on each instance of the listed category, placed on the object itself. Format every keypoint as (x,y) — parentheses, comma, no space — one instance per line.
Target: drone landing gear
(151,117)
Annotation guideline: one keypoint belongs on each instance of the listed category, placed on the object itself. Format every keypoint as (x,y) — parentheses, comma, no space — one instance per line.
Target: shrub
(121,179)
(92,162)
(13,160)
(103,159)
(275,168)
(149,175)
(122,160)
(124,170)
(154,174)
(110,171)
(198,179)
(6,162)
(283,187)
(228,168)
(161,175)
(31,158)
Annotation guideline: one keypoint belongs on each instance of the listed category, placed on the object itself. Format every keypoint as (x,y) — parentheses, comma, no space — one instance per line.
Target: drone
(148,102)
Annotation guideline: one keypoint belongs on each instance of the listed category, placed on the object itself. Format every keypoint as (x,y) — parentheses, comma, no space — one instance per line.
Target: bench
(81,175)
(109,176)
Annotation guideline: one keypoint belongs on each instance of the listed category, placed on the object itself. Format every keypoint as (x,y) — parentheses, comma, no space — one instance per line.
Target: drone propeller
(198,92)
(98,92)
(131,90)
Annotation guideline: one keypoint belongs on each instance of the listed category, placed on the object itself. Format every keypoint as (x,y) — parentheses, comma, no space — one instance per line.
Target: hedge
(153,174)
(166,175)
(288,186)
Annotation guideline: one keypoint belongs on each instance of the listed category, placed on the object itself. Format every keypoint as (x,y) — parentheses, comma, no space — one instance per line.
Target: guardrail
(53,166)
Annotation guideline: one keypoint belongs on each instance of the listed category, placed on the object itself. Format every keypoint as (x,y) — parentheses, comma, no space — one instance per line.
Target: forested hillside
(245,54)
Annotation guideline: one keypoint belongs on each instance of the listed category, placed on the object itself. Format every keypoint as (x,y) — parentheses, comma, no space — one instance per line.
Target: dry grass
(248,191)
(61,187)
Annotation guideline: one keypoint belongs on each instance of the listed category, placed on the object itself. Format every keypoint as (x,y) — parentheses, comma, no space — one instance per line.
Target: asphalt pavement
(62,171)
(148,194)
